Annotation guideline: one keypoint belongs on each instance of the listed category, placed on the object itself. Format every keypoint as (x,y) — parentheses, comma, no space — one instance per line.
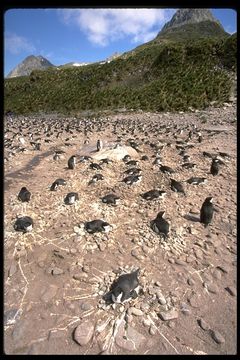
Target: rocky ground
(55,275)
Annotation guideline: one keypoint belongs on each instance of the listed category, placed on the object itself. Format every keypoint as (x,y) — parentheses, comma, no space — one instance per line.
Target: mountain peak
(29,64)
(189,16)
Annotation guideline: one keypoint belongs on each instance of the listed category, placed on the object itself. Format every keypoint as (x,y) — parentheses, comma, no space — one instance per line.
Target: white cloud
(16,44)
(103,26)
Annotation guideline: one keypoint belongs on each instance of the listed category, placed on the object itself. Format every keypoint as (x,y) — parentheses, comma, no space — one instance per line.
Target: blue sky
(85,35)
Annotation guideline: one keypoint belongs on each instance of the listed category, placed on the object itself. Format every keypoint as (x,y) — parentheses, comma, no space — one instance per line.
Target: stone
(146,322)
(224,269)
(185,309)
(57,271)
(211,287)
(190,281)
(170,315)
(203,324)
(134,311)
(83,333)
(129,339)
(195,301)
(13,269)
(232,291)
(161,299)
(10,316)
(86,306)
(80,277)
(152,330)
(180,262)
(217,274)
(171,260)
(217,337)
(102,246)
(49,293)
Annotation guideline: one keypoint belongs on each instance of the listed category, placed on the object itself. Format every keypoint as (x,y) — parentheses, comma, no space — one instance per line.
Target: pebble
(146,322)
(190,281)
(180,262)
(217,337)
(203,324)
(57,271)
(170,315)
(144,307)
(86,306)
(80,277)
(185,309)
(171,260)
(13,269)
(217,274)
(211,287)
(152,330)
(73,251)
(224,269)
(83,333)
(134,311)
(198,254)
(232,291)
(161,299)
(102,246)
(195,301)
(130,339)
(49,293)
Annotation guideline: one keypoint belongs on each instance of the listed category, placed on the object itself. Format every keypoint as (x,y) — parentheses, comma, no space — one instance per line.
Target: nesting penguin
(124,288)
(24,224)
(196,180)
(214,167)
(72,162)
(111,199)
(177,186)
(56,183)
(133,171)
(153,194)
(24,195)
(99,145)
(159,225)
(132,179)
(95,166)
(166,169)
(97,226)
(95,178)
(71,198)
(206,211)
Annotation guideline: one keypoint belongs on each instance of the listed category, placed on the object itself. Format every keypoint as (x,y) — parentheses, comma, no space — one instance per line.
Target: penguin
(105,161)
(56,183)
(24,224)
(72,162)
(95,178)
(132,163)
(95,166)
(71,198)
(166,169)
(159,225)
(199,137)
(206,211)
(189,165)
(144,158)
(177,186)
(214,167)
(225,155)
(132,179)
(124,288)
(133,171)
(85,158)
(24,195)
(126,158)
(153,194)
(111,199)
(99,145)
(196,180)
(186,158)
(97,226)
(157,161)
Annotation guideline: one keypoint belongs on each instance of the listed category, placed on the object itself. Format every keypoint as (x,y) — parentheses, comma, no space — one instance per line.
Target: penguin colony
(125,287)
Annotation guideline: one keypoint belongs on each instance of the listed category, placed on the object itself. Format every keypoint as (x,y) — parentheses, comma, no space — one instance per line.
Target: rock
(198,253)
(146,322)
(152,330)
(190,281)
(49,293)
(83,333)
(144,307)
(129,339)
(180,262)
(10,316)
(202,323)
(73,251)
(57,271)
(171,260)
(13,269)
(170,315)
(195,301)
(185,309)
(86,306)
(217,274)
(211,287)
(102,246)
(224,269)
(232,291)
(217,337)
(80,277)
(161,299)
(134,311)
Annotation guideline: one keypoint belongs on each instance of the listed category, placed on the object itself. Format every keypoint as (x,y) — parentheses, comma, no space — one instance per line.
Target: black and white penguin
(71,198)
(97,226)
(196,180)
(95,178)
(72,162)
(144,158)
(154,194)
(126,158)
(99,145)
(177,186)
(85,158)
(206,211)
(95,166)
(24,195)
(24,224)
(166,169)
(159,225)
(132,163)
(199,137)
(111,199)
(214,167)
(56,183)
(105,161)
(125,287)
(132,179)
(133,171)
(189,165)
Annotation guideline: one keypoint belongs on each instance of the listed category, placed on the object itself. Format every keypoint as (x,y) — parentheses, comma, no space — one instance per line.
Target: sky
(85,35)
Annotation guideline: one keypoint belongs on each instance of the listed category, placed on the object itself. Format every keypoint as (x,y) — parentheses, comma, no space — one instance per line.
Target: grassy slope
(157,76)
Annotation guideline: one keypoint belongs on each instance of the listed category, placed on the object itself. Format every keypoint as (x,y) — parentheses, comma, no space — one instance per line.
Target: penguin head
(161,214)
(209,199)
(117,295)
(106,227)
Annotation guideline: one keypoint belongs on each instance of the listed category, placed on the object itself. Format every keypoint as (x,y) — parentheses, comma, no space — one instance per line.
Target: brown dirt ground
(193,269)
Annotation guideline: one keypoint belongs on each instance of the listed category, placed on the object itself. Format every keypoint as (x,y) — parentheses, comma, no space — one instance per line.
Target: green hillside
(159,76)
